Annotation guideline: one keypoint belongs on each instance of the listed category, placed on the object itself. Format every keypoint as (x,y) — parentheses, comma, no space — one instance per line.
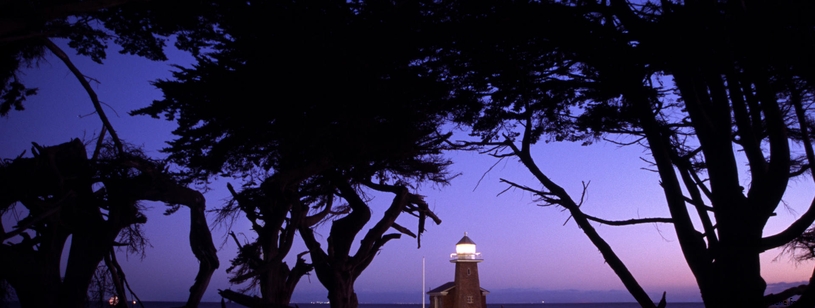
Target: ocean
(545,305)
(489,305)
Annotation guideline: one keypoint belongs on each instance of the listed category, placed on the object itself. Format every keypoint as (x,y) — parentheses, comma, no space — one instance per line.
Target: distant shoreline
(165,304)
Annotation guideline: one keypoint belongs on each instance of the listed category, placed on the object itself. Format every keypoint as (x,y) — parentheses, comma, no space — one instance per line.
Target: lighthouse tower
(468,289)
(465,291)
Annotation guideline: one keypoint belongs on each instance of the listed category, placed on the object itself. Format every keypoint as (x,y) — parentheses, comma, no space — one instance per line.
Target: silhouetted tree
(94,202)
(138,27)
(702,84)
(346,107)
(275,212)
(802,249)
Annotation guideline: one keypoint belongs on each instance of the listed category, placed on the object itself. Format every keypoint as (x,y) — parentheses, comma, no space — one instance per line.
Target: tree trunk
(282,214)
(273,288)
(34,275)
(737,266)
(341,294)
(337,270)
(87,251)
(200,243)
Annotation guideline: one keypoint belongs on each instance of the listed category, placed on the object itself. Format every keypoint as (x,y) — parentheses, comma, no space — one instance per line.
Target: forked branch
(802,223)
(558,194)
(94,99)
(548,197)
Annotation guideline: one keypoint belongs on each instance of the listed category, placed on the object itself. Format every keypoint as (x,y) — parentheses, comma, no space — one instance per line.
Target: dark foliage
(701,84)
(139,27)
(94,217)
(96,203)
(340,89)
(299,98)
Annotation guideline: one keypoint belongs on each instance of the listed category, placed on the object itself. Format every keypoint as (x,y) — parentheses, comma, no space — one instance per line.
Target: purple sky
(526,249)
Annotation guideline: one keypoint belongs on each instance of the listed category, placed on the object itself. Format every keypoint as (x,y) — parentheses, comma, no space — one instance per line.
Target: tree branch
(16,25)
(20,228)
(300,268)
(81,78)
(99,143)
(688,175)
(367,246)
(565,200)
(772,186)
(344,230)
(118,281)
(627,222)
(362,264)
(165,190)
(403,230)
(312,220)
(632,221)
(792,231)
(526,188)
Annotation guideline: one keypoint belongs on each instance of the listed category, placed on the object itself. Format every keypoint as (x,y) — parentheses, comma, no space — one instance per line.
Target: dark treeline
(309,105)
(93,198)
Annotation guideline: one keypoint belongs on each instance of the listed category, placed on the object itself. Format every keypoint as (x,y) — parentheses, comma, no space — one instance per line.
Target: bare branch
(99,143)
(312,220)
(793,230)
(237,243)
(627,222)
(526,188)
(700,184)
(800,171)
(697,204)
(505,155)
(81,78)
(21,228)
(583,193)
(625,143)
(404,230)
(368,258)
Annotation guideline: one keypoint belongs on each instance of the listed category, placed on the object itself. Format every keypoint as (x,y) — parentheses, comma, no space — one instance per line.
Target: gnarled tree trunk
(337,270)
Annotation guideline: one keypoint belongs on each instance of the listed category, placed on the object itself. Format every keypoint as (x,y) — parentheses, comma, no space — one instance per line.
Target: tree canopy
(310,103)
(701,84)
(138,27)
(96,202)
(94,198)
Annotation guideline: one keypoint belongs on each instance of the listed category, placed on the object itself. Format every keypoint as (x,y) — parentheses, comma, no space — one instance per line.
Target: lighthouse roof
(465,240)
(445,289)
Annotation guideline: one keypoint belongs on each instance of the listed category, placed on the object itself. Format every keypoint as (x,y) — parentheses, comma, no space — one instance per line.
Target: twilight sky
(529,254)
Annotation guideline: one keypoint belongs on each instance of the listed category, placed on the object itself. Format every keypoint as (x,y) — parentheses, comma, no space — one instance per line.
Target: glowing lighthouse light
(465,250)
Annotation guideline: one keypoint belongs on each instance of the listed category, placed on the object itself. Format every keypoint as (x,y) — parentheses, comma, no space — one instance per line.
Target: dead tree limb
(118,280)
(21,228)
(95,99)
(557,194)
(629,222)
(163,189)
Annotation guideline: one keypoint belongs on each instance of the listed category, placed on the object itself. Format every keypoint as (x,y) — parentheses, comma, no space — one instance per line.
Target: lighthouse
(465,290)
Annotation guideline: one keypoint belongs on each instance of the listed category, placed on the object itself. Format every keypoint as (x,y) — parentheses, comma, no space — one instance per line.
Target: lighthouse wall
(468,288)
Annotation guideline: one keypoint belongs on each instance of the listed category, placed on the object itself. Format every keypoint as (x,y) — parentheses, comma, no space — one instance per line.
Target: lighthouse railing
(465,256)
